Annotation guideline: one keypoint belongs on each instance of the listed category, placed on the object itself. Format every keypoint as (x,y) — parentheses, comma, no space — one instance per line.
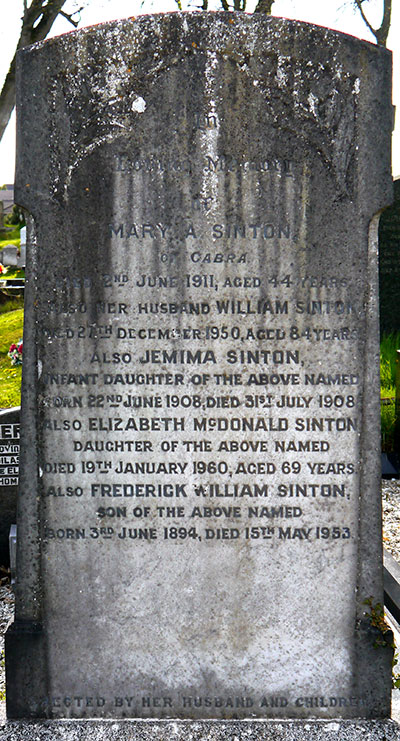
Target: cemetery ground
(10,237)
(11,321)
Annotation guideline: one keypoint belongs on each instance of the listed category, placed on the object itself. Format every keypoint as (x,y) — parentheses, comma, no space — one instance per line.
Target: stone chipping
(391,516)
(6,616)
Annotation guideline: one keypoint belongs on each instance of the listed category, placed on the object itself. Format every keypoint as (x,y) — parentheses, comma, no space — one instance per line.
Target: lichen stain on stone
(139,105)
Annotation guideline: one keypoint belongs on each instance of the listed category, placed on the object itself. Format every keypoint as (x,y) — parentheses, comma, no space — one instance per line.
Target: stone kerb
(244,730)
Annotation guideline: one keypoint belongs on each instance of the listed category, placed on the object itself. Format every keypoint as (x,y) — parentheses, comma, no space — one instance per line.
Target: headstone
(9,471)
(389,265)
(9,255)
(199,522)
(12,544)
(22,249)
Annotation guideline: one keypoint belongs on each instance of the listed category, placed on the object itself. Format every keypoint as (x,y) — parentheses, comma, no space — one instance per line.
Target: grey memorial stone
(14,256)
(9,471)
(9,255)
(199,512)
(22,249)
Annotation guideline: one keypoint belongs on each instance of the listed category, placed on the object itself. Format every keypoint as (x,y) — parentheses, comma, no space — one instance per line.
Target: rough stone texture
(389,265)
(9,470)
(391,516)
(197,535)
(244,730)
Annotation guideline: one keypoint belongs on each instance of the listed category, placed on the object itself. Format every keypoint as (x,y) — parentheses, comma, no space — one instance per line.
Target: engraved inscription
(201,297)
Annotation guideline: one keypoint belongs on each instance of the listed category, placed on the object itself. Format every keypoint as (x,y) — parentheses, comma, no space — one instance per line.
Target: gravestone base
(207,730)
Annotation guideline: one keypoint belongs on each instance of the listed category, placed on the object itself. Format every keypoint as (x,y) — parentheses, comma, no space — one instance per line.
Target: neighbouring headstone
(9,255)
(389,265)
(199,528)
(9,471)
(12,546)
(22,249)
(14,256)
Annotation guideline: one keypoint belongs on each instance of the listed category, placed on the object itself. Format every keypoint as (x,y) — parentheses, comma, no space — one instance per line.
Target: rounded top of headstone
(111,69)
(220,23)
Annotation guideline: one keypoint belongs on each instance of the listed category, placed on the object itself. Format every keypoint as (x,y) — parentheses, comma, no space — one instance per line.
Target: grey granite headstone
(199,521)
(9,255)
(389,265)
(9,471)
(22,249)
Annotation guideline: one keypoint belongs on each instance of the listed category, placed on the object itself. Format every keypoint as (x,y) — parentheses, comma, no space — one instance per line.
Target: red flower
(20,347)
(12,347)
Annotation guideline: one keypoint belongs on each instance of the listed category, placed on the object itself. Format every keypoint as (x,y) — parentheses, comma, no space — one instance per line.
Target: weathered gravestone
(199,522)
(389,265)
(9,255)
(22,249)
(9,471)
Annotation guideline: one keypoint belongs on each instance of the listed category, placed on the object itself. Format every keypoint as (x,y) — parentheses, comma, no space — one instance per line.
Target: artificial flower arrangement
(15,353)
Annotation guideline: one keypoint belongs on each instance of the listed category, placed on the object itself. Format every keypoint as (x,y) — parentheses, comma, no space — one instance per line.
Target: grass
(13,274)
(387,427)
(12,240)
(389,345)
(11,237)
(10,376)
(10,303)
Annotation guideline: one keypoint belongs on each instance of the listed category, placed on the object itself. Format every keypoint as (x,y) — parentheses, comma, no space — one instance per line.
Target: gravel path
(6,615)
(391,540)
(391,516)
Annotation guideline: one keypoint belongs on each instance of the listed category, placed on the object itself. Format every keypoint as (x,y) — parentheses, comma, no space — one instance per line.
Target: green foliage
(12,273)
(386,374)
(395,675)
(10,376)
(13,233)
(376,616)
(10,303)
(389,344)
(5,242)
(388,417)
(15,217)
(10,237)
(2,667)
